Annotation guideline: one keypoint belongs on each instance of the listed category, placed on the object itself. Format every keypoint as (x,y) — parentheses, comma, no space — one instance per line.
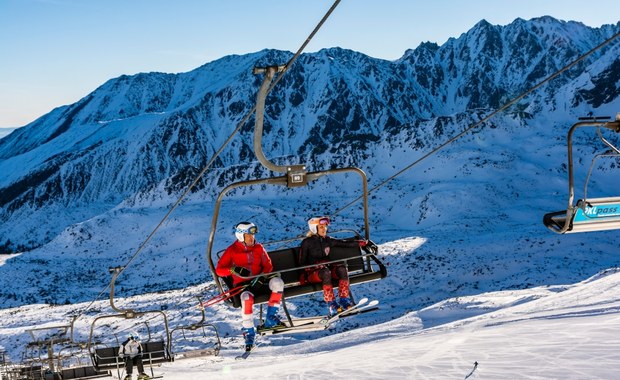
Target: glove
(363,243)
(240,271)
(259,281)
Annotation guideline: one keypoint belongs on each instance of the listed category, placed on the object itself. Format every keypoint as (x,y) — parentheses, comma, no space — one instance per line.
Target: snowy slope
(565,331)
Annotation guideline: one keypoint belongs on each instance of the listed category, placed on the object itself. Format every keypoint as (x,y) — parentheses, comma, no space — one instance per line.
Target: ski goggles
(324,221)
(253,230)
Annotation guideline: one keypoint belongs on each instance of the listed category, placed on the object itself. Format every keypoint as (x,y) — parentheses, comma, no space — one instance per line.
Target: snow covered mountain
(137,133)
(5,131)
(83,186)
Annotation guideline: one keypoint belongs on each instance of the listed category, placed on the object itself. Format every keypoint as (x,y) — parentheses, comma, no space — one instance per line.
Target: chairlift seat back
(154,352)
(106,358)
(285,261)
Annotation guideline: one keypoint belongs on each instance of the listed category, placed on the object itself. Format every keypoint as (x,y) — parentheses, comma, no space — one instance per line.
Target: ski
(246,354)
(372,306)
(306,327)
(295,322)
(320,323)
(361,305)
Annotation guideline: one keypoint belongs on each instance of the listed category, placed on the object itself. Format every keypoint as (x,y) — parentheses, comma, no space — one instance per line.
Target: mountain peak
(136,133)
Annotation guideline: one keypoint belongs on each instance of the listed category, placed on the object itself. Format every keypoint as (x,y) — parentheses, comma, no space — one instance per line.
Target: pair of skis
(320,322)
(315,323)
(361,307)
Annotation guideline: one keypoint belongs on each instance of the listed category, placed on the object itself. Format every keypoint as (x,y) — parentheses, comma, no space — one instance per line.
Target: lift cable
(219,151)
(484,119)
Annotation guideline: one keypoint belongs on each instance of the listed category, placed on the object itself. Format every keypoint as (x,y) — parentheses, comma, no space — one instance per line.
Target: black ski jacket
(315,249)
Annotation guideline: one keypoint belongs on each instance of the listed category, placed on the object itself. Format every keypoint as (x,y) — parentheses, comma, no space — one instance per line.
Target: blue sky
(54,52)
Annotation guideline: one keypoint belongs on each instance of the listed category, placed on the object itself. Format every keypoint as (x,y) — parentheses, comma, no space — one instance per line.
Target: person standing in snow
(315,249)
(131,351)
(244,259)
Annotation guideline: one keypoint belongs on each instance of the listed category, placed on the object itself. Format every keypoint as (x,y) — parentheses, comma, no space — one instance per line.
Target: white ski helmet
(133,335)
(245,228)
(314,222)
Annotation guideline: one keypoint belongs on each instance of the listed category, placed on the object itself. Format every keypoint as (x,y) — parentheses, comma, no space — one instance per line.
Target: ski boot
(332,308)
(128,377)
(143,376)
(271,318)
(345,304)
(249,334)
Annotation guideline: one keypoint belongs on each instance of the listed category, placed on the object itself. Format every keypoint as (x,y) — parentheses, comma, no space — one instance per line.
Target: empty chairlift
(192,340)
(587,214)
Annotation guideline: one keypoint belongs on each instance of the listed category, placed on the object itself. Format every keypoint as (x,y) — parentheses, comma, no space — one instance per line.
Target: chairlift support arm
(115,271)
(296,174)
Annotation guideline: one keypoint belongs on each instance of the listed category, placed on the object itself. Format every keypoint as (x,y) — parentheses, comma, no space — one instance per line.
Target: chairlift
(41,352)
(192,340)
(54,354)
(104,354)
(587,214)
(363,264)
(74,362)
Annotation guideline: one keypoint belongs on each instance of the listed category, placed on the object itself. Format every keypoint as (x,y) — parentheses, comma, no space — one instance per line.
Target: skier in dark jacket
(315,249)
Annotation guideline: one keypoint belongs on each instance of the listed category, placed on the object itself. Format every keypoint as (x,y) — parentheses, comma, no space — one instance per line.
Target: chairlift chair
(195,332)
(587,214)
(42,351)
(105,356)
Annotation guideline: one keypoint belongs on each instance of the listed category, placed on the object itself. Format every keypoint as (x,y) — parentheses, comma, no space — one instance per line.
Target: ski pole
(223,296)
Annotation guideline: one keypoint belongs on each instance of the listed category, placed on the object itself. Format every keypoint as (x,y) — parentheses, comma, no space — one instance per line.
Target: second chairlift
(587,214)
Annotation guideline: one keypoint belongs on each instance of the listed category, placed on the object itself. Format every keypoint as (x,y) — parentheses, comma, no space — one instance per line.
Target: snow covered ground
(559,332)
(549,332)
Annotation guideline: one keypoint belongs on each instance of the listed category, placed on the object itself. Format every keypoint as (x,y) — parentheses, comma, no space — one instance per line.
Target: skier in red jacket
(246,258)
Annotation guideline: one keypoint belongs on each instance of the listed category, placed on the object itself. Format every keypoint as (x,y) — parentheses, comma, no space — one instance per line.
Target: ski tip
(243,356)
(373,303)
(362,301)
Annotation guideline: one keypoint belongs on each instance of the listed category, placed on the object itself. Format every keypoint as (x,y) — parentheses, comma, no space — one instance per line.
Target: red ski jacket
(254,258)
